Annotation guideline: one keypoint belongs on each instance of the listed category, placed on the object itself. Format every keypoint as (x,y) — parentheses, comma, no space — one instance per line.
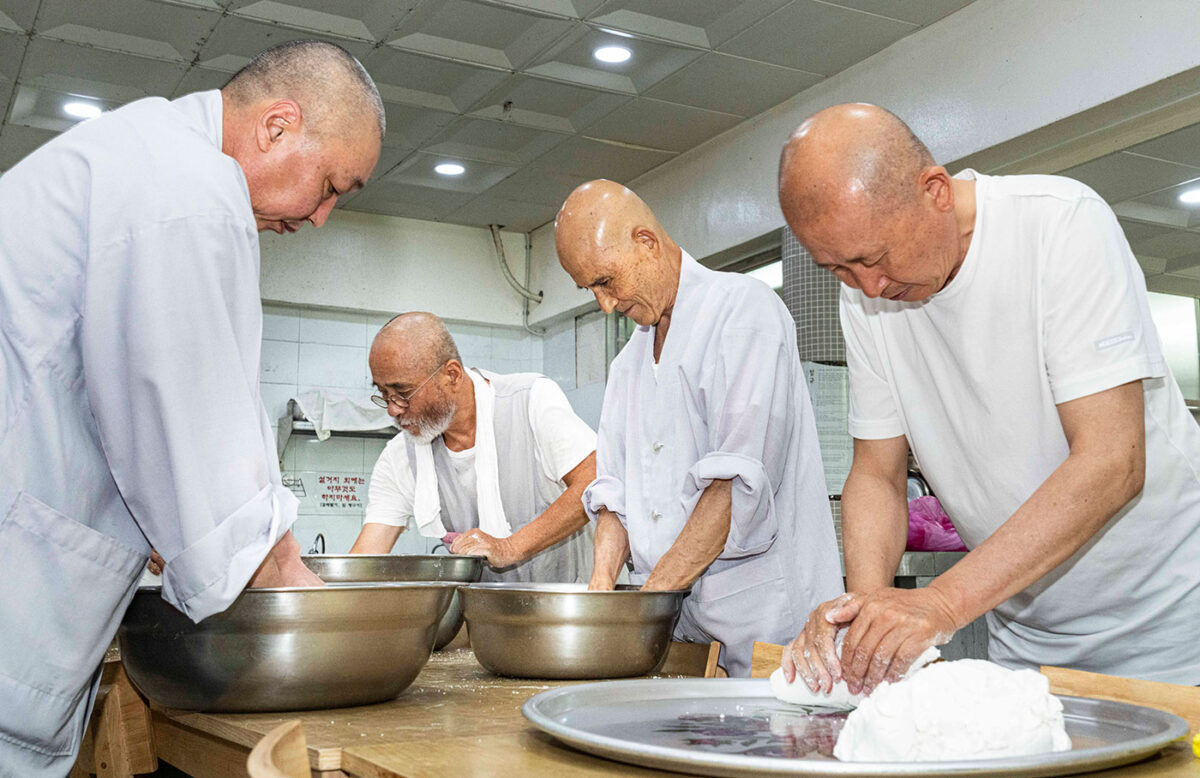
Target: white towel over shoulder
(426,504)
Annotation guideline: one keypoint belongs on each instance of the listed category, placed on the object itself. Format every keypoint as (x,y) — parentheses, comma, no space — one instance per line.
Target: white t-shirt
(1048,306)
(561,441)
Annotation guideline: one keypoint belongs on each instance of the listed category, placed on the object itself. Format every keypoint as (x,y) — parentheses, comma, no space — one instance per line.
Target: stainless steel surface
(284,649)
(348,568)
(661,723)
(564,631)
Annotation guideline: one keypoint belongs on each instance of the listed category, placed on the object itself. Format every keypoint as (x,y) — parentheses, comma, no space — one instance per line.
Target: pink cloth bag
(929,528)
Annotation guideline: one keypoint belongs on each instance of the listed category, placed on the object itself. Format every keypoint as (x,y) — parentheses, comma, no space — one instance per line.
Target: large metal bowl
(284,649)
(358,568)
(564,631)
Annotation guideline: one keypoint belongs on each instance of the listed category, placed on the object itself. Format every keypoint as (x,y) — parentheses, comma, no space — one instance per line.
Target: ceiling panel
(659,125)
(720,82)
(92,72)
(17,142)
(417,170)
(536,186)
(817,37)
(19,14)
(234,41)
(588,158)
(573,60)
(1169,197)
(12,46)
(139,27)
(408,126)
(916,11)
(567,9)
(388,196)
(1182,146)
(511,88)
(509,214)
(365,20)
(547,105)
(702,23)
(493,141)
(1136,231)
(1118,177)
(1176,243)
(485,34)
(199,79)
(433,83)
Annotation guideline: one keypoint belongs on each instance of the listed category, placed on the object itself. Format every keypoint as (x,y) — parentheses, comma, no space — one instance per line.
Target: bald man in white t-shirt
(998,326)
(494,464)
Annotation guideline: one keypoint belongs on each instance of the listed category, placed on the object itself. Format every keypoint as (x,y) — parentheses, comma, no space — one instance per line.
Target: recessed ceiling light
(82,110)
(612,54)
(450,169)
(1190,196)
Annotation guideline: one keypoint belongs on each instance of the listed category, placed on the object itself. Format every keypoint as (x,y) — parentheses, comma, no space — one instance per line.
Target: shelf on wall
(289,427)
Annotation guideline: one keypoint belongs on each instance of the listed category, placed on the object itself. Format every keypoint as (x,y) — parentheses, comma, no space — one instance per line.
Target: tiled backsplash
(305,349)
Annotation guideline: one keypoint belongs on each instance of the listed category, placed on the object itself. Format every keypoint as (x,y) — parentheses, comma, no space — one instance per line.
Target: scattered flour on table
(966,709)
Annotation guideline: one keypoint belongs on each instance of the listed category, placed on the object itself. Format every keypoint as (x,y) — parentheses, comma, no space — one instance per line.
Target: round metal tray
(735,727)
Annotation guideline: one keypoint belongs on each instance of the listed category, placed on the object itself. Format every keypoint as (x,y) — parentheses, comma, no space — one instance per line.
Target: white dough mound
(966,709)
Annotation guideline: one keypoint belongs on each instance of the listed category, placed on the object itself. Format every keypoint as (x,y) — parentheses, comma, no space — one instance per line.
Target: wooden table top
(459,719)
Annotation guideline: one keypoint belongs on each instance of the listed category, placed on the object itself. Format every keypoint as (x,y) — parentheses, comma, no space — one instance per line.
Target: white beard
(428,429)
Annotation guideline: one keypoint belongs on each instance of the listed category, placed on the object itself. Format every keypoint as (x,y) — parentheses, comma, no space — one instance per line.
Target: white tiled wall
(306,349)
(573,355)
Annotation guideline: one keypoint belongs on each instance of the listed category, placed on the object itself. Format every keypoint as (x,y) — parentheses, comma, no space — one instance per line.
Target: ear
(935,185)
(646,238)
(277,118)
(454,371)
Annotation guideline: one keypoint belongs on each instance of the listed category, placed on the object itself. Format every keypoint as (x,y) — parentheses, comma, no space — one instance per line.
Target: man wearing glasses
(446,476)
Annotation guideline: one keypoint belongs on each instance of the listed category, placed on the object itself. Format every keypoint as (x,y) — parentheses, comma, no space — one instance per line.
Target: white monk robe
(129,405)
(727,401)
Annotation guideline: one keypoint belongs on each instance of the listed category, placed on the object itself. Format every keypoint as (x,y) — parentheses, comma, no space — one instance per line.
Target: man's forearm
(701,540)
(874,531)
(376,538)
(561,519)
(611,549)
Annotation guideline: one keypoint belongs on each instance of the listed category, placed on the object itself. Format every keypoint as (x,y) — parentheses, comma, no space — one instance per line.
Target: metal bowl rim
(553,588)
(394,556)
(334,587)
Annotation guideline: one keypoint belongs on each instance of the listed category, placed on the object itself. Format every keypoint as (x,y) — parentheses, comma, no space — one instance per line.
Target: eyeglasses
(399,400)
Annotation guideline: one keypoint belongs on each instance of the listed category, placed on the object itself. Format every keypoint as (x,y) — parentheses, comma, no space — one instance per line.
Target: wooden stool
(697,660)
(764,659)
(119,741)
(282,753)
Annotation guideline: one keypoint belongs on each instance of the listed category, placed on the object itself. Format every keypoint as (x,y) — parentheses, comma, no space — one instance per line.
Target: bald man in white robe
(708,470)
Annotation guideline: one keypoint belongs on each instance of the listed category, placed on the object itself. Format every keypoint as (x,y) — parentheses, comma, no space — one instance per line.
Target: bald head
(850,155)
(610,242)
(417,338)
(330,85)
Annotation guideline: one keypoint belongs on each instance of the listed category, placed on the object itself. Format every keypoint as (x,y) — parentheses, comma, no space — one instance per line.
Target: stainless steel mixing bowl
(564,631)
(284,649)
(356,568)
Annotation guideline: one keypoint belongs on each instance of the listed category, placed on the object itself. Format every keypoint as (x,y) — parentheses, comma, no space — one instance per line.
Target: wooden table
(454,712)
(455,720)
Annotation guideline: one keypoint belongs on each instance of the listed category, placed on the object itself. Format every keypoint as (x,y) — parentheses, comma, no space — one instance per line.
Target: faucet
(318,543)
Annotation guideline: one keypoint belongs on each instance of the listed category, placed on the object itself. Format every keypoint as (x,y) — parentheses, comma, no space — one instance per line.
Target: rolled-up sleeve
(749,388)
(608,490)
(171,338)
